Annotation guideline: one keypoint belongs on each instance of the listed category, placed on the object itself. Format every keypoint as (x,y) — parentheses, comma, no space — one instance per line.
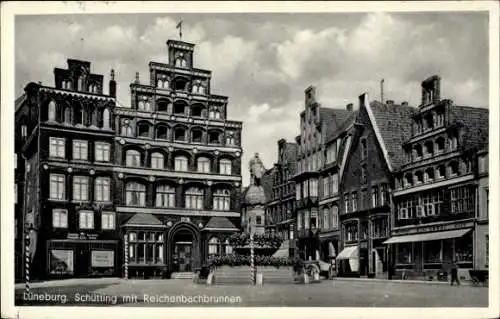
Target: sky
(264,62)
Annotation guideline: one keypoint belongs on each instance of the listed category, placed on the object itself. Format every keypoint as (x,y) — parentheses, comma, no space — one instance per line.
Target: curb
(422,282)
(71,282)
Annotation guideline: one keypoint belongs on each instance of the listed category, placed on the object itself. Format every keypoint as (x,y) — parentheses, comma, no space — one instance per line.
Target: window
(298,191)
(143,103)
(57,147)
(157,160)
(335,184)
(60,218)
(194,198)
(314,220)
(133,158)
(143,129)
(24,131)
(196,136)
(440,144)
(326,186)
(418,151)
(162,83)
(229,248)
(453,168)
(102,151)
(364,149)
(214,246)
(52,111)
(135,194)
(487,196)
(374,196)
(429,148)
(299,220)
(80,150)
(487,242)
(408,181)
(313,184)
(57,186)
(364,179)
(79,115)
(127,129)
(453,142)
(214,137)
(380,227)
(351,232)
(108,220)
(162,132)
(258,220)
(404,253)
(146,247)
(441,172)
(180,135)
(225,166)
(419,177)
(222,200)
(203,165)
(326,218)
(403,213)
(230,139)
(429,174)
(346,203)
(433,251)
(86,220)
(102,190)
(307,219)
(483,164)
(462,200)
(354,202)
(165,196)
(334,221)
(80,188)
(181,163)
(106,119)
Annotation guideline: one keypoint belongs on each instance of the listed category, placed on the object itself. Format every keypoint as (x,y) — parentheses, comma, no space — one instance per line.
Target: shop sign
(433,228)
(82,236)
(73,236)
(102,258)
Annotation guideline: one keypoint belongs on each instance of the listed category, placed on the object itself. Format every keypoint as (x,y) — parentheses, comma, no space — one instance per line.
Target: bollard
(259,279)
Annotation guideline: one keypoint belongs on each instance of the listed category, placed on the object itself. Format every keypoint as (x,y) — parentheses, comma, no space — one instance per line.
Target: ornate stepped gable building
(64,141)
(178,168)
(371,155)
(335,151)
(315,120)
(281,200)
(436,189)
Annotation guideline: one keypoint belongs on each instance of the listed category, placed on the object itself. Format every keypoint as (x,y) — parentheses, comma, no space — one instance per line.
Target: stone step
(182,275)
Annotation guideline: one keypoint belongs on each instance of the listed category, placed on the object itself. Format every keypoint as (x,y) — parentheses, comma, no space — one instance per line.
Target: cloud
(263,62)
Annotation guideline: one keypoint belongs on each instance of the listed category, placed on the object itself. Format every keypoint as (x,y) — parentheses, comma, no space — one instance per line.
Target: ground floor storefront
(422,254)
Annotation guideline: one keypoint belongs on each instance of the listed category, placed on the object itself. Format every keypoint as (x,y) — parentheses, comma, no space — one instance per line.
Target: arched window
(225,166)
(181,163)
(52,111)
(453,168)
(92,88)
(408,180)
(166,84)
(80,83)
(419,177)
(230,139)
(106,120)
(67,114)
(165,196)
(203,165)
(159,83)
(213,246)
(179,107)
(197,136)
(163,105)
(418,151)
(211,114)
(127,129)
(214,137)
(78,115)
(143,129)
(217,115)
(135,194)
(429,148)
(194,198)
(180,134)
(440,144)
(441,171)
(162,132)
(453,141)
(133,158)
(429,174)
(94,117)
(196,110)
(157,160)
(222,200)
(143,104)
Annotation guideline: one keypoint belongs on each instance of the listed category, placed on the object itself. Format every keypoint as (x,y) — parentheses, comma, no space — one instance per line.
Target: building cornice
(176,145)
(430,186)
(176,211)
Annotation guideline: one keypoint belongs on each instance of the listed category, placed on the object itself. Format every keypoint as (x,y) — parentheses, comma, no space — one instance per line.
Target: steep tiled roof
(144,220)
(394,124)
(220,222)
(332,119)
(475,122)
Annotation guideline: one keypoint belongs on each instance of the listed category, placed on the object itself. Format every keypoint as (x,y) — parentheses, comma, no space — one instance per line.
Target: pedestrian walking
(454,273)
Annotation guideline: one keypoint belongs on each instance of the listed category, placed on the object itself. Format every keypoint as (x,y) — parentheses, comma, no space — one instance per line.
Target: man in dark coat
(454,273)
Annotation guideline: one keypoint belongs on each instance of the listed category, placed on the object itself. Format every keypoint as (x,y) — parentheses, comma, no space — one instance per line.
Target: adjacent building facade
(64,138)
(435,220)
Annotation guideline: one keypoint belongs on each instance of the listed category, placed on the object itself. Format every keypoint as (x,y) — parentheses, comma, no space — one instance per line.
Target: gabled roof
(392,125)
(476,123)
(220,223)
(332,119)
(144,219)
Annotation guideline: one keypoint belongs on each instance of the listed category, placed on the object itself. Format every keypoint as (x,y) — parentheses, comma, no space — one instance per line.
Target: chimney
(363,100)
(136,77)
(112,84)
(404,103)
(390,102)
(349,107)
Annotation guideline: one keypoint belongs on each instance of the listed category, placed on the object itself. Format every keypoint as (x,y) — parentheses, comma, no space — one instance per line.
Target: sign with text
(434,228)
(103,258)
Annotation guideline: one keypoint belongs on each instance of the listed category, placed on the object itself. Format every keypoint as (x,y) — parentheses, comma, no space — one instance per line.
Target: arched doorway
(184,249)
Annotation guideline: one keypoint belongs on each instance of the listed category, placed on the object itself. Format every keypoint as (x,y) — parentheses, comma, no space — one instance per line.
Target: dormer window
(180,61)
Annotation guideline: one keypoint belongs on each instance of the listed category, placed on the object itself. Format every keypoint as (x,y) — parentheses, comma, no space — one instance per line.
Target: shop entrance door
(184,256)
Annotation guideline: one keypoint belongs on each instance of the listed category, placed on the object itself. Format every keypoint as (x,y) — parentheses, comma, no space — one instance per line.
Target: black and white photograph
(309,155)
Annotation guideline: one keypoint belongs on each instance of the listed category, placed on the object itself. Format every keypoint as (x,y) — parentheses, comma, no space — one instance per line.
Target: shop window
(60,218)
(433,251)
(463,248)
(61,262)
(146,248)
(404,253)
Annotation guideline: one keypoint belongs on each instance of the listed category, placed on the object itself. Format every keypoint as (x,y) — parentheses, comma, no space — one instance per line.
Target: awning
(349,252)
(331,250)
(428,236)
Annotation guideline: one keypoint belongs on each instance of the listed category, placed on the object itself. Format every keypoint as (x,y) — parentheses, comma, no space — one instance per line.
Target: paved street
(328,293)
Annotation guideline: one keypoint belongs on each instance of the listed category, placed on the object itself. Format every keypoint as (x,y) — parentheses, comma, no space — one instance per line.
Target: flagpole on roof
(179,26)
